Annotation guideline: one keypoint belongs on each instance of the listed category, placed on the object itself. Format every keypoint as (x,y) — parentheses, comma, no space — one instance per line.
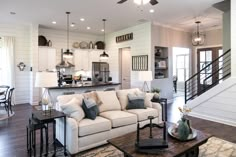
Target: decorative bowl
(172,132)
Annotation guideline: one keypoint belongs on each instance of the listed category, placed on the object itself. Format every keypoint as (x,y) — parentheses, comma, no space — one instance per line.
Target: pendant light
(198,38)
(67,53)
(104,55)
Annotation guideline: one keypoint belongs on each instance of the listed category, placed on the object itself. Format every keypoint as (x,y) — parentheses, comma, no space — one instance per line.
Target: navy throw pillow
(136,101)
(90,108)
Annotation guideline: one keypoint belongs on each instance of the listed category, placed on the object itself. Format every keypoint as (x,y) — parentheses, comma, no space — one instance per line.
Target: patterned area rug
(215,147)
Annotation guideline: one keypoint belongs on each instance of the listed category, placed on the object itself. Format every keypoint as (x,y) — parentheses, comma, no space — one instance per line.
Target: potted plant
(156,92)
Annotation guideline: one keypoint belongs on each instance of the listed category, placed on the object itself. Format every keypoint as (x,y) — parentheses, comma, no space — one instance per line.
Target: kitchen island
(76,89)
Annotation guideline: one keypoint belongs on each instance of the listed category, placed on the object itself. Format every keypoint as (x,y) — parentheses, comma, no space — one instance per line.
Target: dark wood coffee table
(126,144)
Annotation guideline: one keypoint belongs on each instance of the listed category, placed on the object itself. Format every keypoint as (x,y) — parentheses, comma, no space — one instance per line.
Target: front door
(210,75)
(125,67)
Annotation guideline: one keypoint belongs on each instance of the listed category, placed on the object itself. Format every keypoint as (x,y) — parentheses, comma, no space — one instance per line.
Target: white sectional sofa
(113,119)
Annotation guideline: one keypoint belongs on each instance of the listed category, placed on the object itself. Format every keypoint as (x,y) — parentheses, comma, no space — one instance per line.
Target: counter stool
(31,129)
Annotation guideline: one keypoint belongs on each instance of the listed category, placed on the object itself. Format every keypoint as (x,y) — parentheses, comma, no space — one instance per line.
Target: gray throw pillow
(136,101)
(90,108)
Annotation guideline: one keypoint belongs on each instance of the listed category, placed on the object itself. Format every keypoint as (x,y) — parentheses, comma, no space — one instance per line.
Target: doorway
(204,57)
(125,67)
(180,69)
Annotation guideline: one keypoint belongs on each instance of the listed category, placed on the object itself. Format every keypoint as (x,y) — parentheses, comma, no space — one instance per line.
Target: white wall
(217,104)
(168,37)
(233,38)
(140,45)
(59,39)
(22,54)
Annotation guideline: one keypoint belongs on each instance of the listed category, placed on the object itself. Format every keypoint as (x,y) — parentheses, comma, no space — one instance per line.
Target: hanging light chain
(104,32)
(67,29)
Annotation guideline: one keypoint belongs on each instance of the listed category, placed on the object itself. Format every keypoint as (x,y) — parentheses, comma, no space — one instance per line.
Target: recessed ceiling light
(82,19)
(54,22)
(13,13)
(102,30)
(72,25)
(88,28)
(151,10)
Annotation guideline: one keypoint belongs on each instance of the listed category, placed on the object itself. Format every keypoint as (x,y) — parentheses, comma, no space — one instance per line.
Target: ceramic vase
(183,129)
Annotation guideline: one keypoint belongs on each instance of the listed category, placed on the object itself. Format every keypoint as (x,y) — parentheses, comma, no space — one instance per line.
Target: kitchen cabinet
(47,58)
(83,59)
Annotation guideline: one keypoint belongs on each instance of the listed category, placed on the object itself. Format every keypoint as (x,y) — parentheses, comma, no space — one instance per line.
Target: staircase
(208,77)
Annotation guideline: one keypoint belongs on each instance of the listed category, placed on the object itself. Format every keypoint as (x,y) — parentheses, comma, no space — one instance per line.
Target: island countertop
(85,85)
(77,89)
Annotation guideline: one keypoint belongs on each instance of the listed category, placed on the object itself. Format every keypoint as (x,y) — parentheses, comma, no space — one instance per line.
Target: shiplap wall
(168,37)
(34,92)
(217,104)
(140,45)
(59,39)
(22,54)
(233,38)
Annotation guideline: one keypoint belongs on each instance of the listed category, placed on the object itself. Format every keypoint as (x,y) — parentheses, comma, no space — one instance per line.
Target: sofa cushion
(73,109)
(90,108)
(119,118)
(88,126)
(143,114)
(109,101)
(63,99)
(147,99)
(92,95)
(123,96)
(136,101)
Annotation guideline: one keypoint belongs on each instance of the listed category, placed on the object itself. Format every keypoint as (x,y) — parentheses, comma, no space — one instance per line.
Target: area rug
(4,115)
(215,147)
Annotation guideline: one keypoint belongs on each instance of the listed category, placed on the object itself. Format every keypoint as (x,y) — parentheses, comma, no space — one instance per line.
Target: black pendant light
(67,53)
(198,38)
(104,55)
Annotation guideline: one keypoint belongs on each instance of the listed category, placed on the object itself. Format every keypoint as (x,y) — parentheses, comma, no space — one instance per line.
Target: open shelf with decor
(161,62)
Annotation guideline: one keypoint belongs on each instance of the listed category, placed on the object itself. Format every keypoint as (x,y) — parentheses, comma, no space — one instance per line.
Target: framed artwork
(140,63)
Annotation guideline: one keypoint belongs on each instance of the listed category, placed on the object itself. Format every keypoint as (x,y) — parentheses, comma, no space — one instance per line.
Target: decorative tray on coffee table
(171,131)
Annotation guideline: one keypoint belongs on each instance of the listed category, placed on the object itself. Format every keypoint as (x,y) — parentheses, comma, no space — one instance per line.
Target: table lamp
(145,76)
(44,80)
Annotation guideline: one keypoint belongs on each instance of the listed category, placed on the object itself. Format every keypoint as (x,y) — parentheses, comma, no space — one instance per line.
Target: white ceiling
(175,13)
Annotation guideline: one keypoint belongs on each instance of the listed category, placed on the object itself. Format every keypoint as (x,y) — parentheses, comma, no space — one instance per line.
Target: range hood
(64,64)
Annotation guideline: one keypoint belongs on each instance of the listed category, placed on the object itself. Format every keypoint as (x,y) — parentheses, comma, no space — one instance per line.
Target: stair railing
(209,76)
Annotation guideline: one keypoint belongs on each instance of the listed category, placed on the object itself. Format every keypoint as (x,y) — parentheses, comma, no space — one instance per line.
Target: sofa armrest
(157,106)
(71,133)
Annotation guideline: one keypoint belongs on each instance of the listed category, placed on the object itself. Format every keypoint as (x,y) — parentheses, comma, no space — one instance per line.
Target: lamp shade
(46,79)
(145,76)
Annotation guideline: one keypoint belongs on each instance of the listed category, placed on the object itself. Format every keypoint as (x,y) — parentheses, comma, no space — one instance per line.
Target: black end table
(50,118)
(163,102)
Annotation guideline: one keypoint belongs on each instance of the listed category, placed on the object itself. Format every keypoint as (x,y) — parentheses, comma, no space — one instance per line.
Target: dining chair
(3,91)
(7,101)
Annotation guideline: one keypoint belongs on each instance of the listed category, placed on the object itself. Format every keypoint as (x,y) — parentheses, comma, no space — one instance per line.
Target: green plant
(156,90)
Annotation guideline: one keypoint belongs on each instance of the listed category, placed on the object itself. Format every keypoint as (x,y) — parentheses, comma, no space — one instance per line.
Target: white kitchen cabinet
(83,59)
(47,58)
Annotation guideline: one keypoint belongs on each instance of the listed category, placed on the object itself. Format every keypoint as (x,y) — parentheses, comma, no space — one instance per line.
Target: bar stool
(31,129)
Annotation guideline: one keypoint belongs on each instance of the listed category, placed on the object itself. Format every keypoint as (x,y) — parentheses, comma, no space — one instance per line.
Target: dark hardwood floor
(13,130)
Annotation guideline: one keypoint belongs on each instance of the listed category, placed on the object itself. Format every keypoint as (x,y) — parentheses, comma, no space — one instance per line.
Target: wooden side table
(50,118)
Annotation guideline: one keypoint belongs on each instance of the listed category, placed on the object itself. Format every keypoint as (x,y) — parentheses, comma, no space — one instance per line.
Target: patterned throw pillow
(136,101)
(90,108)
